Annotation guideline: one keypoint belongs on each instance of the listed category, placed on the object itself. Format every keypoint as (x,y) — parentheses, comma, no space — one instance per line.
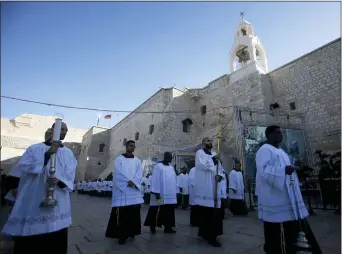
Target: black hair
(167,153)
(270,129)
(130,142)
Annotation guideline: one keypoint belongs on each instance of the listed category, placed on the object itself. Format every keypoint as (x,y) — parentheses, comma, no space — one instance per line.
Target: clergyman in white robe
(125,219)
(237,191)
(280,202)
(163,196)
(30,224)
(223,190)
(206,180)
(183,188)
(192,194)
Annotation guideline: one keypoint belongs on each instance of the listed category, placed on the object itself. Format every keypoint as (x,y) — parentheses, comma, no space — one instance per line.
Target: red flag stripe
(108,117)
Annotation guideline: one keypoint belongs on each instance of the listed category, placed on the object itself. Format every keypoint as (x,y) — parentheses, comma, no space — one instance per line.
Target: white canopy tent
(147,164)
(185,156)
(188,149)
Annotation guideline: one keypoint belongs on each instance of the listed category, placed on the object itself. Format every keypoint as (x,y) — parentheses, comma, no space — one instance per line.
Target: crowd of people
(206,188)
(184,183)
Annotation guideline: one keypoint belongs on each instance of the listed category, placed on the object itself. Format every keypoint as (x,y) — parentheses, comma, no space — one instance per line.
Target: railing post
(311,211)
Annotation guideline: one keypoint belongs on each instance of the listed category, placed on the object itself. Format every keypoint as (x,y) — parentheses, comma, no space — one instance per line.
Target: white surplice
(191,180)
(149,179)
(15,172)
(278,201)
(183,182)
(223,187)
(125,170)
(205,180)
(164,182)
(143,185)
(27,218)
(236,183)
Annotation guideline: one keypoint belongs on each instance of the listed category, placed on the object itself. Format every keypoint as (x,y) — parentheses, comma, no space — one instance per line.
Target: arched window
(186,125)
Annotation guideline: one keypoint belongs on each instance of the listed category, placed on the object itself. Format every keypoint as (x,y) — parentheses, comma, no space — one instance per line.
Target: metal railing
(318,193)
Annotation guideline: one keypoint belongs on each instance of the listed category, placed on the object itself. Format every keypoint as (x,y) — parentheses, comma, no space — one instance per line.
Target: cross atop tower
(242,14)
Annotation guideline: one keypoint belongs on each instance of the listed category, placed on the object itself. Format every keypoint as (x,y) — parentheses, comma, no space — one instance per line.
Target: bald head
(207,143)
(64,130)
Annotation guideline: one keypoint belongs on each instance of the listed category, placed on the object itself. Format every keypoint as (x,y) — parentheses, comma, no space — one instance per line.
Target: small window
(151,129)
(203,109)
(292,106)
(101,147)
(186,125)
(124,141)
(136,136)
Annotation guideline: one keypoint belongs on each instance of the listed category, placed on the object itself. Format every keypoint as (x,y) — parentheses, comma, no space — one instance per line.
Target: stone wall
(147,144)
(313,83)
(92,161)
(27,129)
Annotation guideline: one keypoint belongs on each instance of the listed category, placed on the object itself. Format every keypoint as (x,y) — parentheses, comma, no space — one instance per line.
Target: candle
(57,129)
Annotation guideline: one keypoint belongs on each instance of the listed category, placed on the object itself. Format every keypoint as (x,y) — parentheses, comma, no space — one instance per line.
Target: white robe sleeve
(232,181)
(32,161)
(156,179)
(191,178)
(137,179)
(268,172)
(120,181)
(204,162)
(67,175)
(179,181)
(221,171)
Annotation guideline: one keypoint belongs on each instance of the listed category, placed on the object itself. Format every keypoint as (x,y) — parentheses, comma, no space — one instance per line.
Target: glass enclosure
(293,144)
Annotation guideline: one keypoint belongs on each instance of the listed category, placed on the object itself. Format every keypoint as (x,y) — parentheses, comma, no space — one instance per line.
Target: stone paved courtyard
(241,234)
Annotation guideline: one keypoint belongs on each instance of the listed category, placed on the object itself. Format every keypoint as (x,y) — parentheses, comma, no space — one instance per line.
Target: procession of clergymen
(46,173)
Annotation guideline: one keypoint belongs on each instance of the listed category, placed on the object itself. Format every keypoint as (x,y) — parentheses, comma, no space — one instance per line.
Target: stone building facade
(307,90)
(27,129)
(94,153)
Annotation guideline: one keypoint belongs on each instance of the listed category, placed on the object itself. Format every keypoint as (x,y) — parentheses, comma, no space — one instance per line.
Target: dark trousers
(158,216)
(124,222)
(290,229)
(210,222)
(52,243)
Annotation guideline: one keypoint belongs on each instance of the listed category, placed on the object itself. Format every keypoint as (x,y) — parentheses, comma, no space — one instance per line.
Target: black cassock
(280,235)
(194,220)
(52,243)
(124,222)
(238,207)
(163,215)
(210,224)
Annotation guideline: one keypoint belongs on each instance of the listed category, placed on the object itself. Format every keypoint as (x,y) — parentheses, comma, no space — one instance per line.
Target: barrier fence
(318,193)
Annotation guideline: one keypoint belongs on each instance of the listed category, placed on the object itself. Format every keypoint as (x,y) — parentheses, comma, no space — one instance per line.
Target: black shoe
(153,230)
(169,231)
(122,241)
(214,243)
(132,237)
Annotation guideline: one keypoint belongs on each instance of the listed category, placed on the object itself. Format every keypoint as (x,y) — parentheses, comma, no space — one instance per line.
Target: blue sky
(114,55)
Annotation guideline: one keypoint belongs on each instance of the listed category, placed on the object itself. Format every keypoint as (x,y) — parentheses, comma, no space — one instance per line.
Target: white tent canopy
(189,149)
(147,164)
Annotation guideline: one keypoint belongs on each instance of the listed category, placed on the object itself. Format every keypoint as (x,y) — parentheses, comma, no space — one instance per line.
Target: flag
(107,116)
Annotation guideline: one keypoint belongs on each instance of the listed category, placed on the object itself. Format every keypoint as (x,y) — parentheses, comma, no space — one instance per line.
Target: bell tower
(247,48)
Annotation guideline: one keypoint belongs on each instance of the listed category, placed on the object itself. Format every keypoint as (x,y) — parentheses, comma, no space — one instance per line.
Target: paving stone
(242,235)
